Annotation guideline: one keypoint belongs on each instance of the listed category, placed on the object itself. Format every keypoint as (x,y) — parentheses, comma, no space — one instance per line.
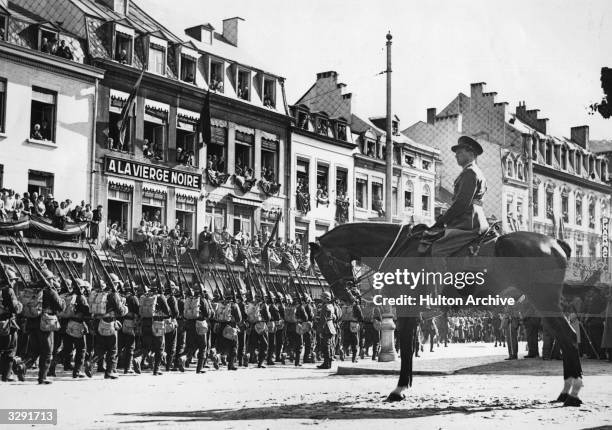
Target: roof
(454,107)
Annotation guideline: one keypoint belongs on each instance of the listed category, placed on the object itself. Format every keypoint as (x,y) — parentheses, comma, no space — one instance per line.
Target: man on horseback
(465,219)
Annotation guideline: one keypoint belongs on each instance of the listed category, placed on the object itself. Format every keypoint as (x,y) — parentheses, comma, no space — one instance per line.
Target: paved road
(283,397)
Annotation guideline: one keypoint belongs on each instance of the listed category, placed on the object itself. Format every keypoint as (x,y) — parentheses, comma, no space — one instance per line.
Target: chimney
(329,74)
(431,115)
(520,111)
(121,7)
(580,136)
(476,89)
(542,125)
(230,29)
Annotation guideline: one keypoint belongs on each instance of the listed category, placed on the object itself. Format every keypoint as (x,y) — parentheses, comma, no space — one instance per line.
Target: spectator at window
(45,45)
(40,206)
(123,57)
(36,134)
(45,131)
(64,51)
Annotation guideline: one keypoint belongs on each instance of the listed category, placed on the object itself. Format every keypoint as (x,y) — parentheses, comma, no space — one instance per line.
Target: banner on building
(74,255)
(132,169)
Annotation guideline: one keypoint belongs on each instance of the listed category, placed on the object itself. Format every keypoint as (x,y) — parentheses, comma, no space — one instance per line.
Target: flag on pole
(265,254)
(204,123)
(127,108)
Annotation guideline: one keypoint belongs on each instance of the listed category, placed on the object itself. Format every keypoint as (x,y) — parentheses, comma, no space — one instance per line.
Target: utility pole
(529,142)
(389,143)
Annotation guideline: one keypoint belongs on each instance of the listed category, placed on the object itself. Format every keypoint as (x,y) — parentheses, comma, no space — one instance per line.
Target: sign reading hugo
(132,169)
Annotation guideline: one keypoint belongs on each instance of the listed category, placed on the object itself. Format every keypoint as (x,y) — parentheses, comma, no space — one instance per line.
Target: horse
(335,252)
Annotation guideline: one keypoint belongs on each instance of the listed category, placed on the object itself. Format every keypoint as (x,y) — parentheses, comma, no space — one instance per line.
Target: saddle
(428,237)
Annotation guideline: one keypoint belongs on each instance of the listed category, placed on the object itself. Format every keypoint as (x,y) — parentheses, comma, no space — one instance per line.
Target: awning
(243,201)
(121,182)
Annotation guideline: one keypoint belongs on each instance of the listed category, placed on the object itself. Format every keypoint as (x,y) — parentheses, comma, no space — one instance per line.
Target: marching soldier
(76,327)
(273,325)
(107,326)
(197,311)
(309,335)
(280,329)
(295,315)
(328,329)
(370,330)
(127,335)
(229,317)
(259,330)
(351,317)
(9,308)
(153,311)
(41,306)
(170,324)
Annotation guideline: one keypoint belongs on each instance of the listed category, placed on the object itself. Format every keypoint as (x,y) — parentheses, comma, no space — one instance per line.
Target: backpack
(224,313)
(70,309)
(192,308)
(290,314)
(97,302)
(253,313)
(31,299)
(201,327)
(147,306)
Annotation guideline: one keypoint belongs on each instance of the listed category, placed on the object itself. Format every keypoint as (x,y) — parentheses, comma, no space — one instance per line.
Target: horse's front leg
(406,327)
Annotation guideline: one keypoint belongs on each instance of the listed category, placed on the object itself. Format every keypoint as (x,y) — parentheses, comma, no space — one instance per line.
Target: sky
(547,53)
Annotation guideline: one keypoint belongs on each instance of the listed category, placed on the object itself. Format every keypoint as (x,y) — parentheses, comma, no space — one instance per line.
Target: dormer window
(243,89)
(207,36)
(322,126)
(216,80)
(341,131)
(394,127)
(409,160)
(578,163)
(303,120)
(564,158)
(3,26)
(48,40)
(269,92)
(188,58)
(426,164)
(124,44)
(157,55)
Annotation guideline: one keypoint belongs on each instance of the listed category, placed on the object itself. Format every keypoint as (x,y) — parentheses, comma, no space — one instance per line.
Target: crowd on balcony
(157,237)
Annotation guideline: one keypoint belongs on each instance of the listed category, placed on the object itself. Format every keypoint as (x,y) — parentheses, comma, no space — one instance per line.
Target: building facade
(153,164)
(571,192)
(47,103)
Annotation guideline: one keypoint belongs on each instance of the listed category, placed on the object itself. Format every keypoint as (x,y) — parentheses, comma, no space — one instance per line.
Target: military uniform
(328,319)
(106,333)
(152,331)
(9,308)
(127,335)
(171,327)
(351,319)
(197,328)
(465,219)
(76,330)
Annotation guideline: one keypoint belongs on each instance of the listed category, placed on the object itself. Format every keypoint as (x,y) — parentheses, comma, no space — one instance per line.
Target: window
(322,177)
(47,41)
(301,235)
(536,199)
(361,193)
(40,182)
(155,141)
(394,200)
(216,76)
(377,197)
(154,207)
(408,195)
(322,126)
(43,114)
(426,164)
(243,88)
(564,158)
(119,209)
(2,104)
(592,213)
(565,205)
(549,204)
(157,59)
(188,69)
(123,48)
(217,150)
(341,183)
(578,209)
(571,156)
(519,211)
(534,150)
(341,131)
(409,160)
(214,218)
(579,250)
(303,120)
(520,169)
(185,141)
(186,214)
(269,160)
(244,152)
(425,198)
(549,149)
(509,205)
(3,25)
(269,93)
(243,220)
(509,168)
(578,163)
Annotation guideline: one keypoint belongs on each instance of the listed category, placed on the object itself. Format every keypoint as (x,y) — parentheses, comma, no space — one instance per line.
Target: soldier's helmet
(307,298)
(326,296)
(11,272)
(288,299)
(279,296)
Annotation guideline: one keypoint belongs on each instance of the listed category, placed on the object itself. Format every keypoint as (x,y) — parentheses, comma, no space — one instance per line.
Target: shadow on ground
(332,410)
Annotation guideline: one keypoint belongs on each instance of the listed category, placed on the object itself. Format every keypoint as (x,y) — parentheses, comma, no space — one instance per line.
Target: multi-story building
(321,160)
(152,167)
(47,102)
(570,189)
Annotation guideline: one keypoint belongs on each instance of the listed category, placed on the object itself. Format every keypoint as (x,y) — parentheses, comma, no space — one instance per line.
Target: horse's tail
(565,246)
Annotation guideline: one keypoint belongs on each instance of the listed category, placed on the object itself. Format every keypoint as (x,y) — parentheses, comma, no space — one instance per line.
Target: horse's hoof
(562,398)
(572,401)
(394,397)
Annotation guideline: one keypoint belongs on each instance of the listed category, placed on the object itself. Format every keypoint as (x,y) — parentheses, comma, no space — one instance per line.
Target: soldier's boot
(199,366)
(156,364)
(283,358)
(230,362)
(354,356)
(7,369)
(51,371)
(136,365)
(361,353)
(297,360)
(180,363)
(188,361)
(19,369)
(67,363)
(42,373)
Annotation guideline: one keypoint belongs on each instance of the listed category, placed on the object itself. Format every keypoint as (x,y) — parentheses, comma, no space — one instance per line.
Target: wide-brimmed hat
(468,143)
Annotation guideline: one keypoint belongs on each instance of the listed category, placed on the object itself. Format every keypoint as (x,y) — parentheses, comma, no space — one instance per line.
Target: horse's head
(335,265)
